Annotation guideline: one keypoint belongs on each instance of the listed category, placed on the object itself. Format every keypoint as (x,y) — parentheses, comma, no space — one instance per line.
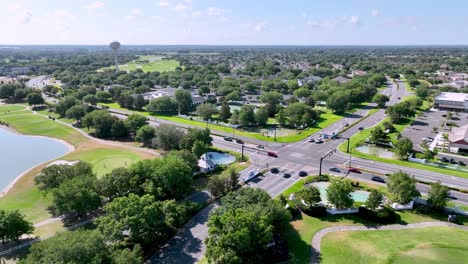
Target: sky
(234,22)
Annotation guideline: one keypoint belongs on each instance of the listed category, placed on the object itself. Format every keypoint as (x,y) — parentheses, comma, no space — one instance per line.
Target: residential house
(310,79)
(341,79)
(206,164)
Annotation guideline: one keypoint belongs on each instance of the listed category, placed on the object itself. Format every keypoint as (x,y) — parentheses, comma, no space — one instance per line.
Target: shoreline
(70,148)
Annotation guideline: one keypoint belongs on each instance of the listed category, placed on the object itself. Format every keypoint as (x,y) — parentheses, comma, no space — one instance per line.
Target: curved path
(317,239)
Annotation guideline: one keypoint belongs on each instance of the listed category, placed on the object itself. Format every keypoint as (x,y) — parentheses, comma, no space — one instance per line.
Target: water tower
(115,45)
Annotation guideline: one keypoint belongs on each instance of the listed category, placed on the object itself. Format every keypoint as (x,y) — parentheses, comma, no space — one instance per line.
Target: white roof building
(452,102)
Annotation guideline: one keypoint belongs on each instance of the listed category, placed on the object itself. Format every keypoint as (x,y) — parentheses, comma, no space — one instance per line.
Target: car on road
(311,139)
(335,169)
(346,124)
(361,128)
(326,136)
(461,163)
(228,138)
(274,170)
(399,98)
(272,154)
(251,175)
(260,147)
(287,175)
(355,170)
(378,179)
(239,141)
(451,196)
(302,173)
(318,141)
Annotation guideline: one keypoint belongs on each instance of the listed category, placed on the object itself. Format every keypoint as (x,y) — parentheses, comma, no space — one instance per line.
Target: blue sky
(274,22)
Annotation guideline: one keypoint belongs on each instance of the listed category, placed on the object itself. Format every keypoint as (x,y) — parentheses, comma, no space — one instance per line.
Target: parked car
(272,154)
(355,170)
(260,147)
(311,139)
(444,159)
(287,175)
(335,169)
(452,161)
(302,173)
(228,138)
(461,163)
(428,139)
(378,179)
(239,141)
(274,170)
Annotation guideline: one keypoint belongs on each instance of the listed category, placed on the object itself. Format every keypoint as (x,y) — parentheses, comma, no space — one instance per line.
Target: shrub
(384,216)
(315,211)
(316,178)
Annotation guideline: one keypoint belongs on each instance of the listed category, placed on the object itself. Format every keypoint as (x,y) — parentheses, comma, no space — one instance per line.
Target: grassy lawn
(154,64)
(7,108)
(302,230)
(24,196)
(326,119)
(422,245)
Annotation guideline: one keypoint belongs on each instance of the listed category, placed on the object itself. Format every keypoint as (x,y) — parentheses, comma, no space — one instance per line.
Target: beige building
(459,138)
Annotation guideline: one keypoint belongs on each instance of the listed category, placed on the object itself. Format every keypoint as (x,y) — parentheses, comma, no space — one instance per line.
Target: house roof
(459,135)
(206,163)
(454,97)
(341,79)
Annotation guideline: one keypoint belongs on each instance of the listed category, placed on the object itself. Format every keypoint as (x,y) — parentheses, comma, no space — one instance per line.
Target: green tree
(339,194)
(271,99)
(422,91)
(76,112)
(232,179)
(247,115)
(338,102)
(380,100)
(139,102)
(143,218)
(403,187)
(377,135)
(310,195)
(403,147)
(167,137)
(145,135)
(261,116)
(13,225)
(135,121)
(187,156)
(66,103)
(80,247)
(217,186)
(374,200)
(199,148)
(119,129)
(52,177)
(103,96)
(206,111)
(35,99)
(224,112)
(126,100)
(90,99)
(101,121)
(196,134)
(184,101)
(438,195)
(302,92)
(78,195)
(164,104)
(117,183)
(176,176)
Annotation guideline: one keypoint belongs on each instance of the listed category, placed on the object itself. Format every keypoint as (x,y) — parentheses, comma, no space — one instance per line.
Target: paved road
(317,239)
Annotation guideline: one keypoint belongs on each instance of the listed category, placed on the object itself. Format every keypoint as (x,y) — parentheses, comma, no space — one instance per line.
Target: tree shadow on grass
(300,251)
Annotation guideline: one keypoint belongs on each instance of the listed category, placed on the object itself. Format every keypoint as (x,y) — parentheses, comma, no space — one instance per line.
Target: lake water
(19,153)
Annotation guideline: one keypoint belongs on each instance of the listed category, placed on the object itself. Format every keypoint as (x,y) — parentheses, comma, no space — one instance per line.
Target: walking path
(317,239)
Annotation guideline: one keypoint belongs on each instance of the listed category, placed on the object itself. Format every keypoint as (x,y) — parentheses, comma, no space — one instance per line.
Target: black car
(287,175)
(302,173)
(239,141)
(260,147)
(378,179)
(451,196)
(452,161)
(228,138)
(461,163)
(335,169)
(444,159)
(274,170)
(361,128)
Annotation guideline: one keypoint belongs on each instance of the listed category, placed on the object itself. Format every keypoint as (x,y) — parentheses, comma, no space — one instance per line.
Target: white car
(428,139)
(251,175)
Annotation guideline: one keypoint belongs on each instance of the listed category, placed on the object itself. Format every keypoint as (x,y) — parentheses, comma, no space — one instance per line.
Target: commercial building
(459,139)
(452,102)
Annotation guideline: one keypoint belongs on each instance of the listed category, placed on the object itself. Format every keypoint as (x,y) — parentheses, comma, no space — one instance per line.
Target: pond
(380,152)
(19,153)
(221,158)
(358,196)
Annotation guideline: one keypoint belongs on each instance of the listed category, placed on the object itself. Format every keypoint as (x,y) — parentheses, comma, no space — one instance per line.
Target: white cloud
(375,12)
(260,26)
(134,12)
(214,11)
(354,20)
(63,13)
(94,5)
(164,3)
(181,7)
(196,13)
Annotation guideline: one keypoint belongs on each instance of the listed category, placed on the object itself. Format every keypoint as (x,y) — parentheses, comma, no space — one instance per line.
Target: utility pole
(329,154)
(275,132)
(242,155)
